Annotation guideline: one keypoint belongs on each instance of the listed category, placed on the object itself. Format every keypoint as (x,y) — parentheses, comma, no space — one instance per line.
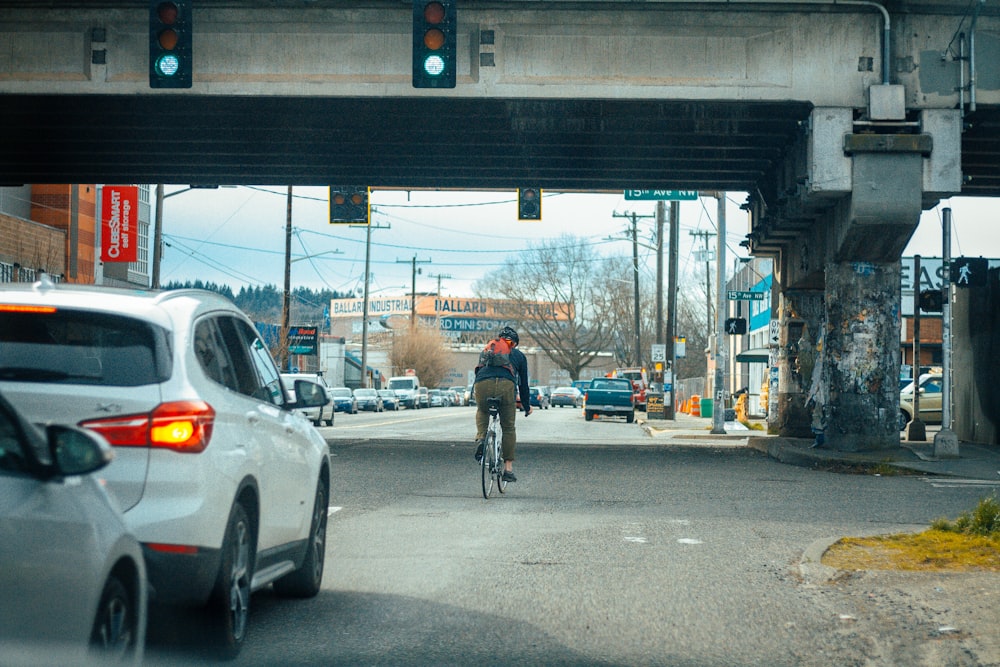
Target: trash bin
(706,407)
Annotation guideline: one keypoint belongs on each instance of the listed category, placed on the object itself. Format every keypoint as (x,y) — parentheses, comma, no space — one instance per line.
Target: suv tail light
(182,426)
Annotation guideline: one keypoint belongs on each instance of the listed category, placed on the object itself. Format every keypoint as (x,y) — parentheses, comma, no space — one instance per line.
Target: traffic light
(434,42)
(529,204)
(349,203)
(931,300)
(969,271)
(170,44)
(736,326)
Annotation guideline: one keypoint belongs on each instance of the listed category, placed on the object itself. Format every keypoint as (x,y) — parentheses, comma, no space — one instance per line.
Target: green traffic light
(434,65)
(168,64)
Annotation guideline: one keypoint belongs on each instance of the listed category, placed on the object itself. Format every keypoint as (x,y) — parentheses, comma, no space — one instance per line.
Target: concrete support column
(801,316)
(857,391)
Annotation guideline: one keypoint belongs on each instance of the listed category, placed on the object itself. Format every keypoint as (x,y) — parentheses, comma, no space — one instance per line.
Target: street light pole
(719,416)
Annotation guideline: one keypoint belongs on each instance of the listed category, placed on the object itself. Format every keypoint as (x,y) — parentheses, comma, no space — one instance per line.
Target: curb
(810,564)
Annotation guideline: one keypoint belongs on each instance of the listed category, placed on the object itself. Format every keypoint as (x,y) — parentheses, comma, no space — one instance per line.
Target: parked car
(225,486)
(317,415)
(931,390)
(389,399)
(609,397)
(368,399)
(437,398)
(406,387)
(470,395)
(539,399)
(72,576)
(343,400)
(423,397)
(563,396)
(459,393)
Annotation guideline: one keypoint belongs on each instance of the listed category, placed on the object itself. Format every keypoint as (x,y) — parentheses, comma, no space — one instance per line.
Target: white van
(405,387)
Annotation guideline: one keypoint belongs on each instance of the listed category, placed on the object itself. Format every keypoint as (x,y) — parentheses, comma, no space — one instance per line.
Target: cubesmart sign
(302,340)
(119,223)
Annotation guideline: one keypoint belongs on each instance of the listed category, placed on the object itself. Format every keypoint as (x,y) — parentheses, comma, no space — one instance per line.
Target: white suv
(222,482)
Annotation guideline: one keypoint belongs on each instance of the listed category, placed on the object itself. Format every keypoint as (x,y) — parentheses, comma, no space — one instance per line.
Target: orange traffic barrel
(696,406)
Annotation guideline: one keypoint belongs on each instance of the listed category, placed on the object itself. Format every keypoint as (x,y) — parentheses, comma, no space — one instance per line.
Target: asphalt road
(611,549)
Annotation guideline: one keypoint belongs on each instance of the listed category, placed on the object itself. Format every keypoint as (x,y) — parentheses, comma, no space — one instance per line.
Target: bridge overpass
(841,119)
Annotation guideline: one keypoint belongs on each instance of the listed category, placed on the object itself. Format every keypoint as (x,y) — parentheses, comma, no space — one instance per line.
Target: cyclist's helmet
(510,334)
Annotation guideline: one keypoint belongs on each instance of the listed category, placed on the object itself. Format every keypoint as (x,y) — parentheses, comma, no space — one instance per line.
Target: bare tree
(555,292)
(423,349)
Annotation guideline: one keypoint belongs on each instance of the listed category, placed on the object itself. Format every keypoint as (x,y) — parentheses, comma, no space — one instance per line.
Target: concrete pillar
(857,392)
(801,315)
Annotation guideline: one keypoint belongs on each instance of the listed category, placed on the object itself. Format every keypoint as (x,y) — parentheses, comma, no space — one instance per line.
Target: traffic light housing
(931,301)
(434,43)
(529,204)
(170,60)
(736,326)
(349,203)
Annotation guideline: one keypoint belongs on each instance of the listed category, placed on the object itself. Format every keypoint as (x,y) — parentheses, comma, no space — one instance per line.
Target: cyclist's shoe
(508,476)
(479,451)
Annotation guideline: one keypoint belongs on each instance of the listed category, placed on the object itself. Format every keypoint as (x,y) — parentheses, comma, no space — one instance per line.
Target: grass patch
(970,543)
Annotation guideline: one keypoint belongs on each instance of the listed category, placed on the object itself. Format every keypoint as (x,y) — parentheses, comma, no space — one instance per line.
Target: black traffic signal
(170,44)
(736,326)
(931,300)
(349,204)
(434,42)
(969,271)
(529,204)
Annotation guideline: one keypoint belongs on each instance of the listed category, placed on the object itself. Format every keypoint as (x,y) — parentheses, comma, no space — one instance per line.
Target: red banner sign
(119,223)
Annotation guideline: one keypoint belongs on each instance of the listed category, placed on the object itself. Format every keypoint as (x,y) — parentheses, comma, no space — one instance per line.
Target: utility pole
(364,307)
(285,307)
(661,208)
(635,279)
(916,430)
(413,290)
(439,276)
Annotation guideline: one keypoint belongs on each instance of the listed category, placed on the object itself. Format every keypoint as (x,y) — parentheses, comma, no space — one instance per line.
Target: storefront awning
(757,355)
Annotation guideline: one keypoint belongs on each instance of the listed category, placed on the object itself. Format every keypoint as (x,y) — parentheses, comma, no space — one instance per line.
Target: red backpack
(497,353)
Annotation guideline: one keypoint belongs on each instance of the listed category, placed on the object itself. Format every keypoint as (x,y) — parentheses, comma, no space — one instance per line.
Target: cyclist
(500,382)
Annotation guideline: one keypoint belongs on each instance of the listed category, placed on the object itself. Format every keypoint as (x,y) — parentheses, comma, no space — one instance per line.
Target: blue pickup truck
(610,397)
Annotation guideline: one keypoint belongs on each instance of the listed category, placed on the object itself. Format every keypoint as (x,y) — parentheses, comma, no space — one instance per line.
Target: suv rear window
(81,347)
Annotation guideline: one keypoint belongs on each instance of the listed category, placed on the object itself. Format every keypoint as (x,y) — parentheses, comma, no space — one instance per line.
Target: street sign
(658,352)
(739,295)
(774,333)
(657,195)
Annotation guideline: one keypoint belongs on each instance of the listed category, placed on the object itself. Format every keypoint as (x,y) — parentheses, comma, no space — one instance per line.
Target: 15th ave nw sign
(657,195)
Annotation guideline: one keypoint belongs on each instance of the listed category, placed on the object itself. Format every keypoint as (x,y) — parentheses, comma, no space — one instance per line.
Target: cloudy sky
(236,236)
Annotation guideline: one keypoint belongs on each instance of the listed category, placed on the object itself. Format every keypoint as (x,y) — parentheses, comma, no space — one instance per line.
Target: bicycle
(492,461)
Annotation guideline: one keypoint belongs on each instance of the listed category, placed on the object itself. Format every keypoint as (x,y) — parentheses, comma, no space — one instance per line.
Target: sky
(236,236)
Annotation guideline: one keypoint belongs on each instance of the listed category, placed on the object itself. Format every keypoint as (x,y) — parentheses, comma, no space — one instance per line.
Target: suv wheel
(229,605)
(115,635)
(305,582)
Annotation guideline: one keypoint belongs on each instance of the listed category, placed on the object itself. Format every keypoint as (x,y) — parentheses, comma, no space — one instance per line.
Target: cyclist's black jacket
(520,363)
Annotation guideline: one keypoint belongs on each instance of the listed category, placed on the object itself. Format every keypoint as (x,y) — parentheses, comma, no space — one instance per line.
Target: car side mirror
(77,451)
(310,394)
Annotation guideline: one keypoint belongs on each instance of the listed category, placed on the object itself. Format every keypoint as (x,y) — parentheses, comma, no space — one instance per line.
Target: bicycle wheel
(498,453)
(487,465)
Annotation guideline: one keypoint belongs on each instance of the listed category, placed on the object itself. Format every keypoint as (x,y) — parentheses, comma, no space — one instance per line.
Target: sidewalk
(975,461)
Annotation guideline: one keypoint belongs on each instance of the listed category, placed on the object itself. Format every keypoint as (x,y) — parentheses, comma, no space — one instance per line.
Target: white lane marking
(688,540)
(331,510)
(635,539)
(953,482)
